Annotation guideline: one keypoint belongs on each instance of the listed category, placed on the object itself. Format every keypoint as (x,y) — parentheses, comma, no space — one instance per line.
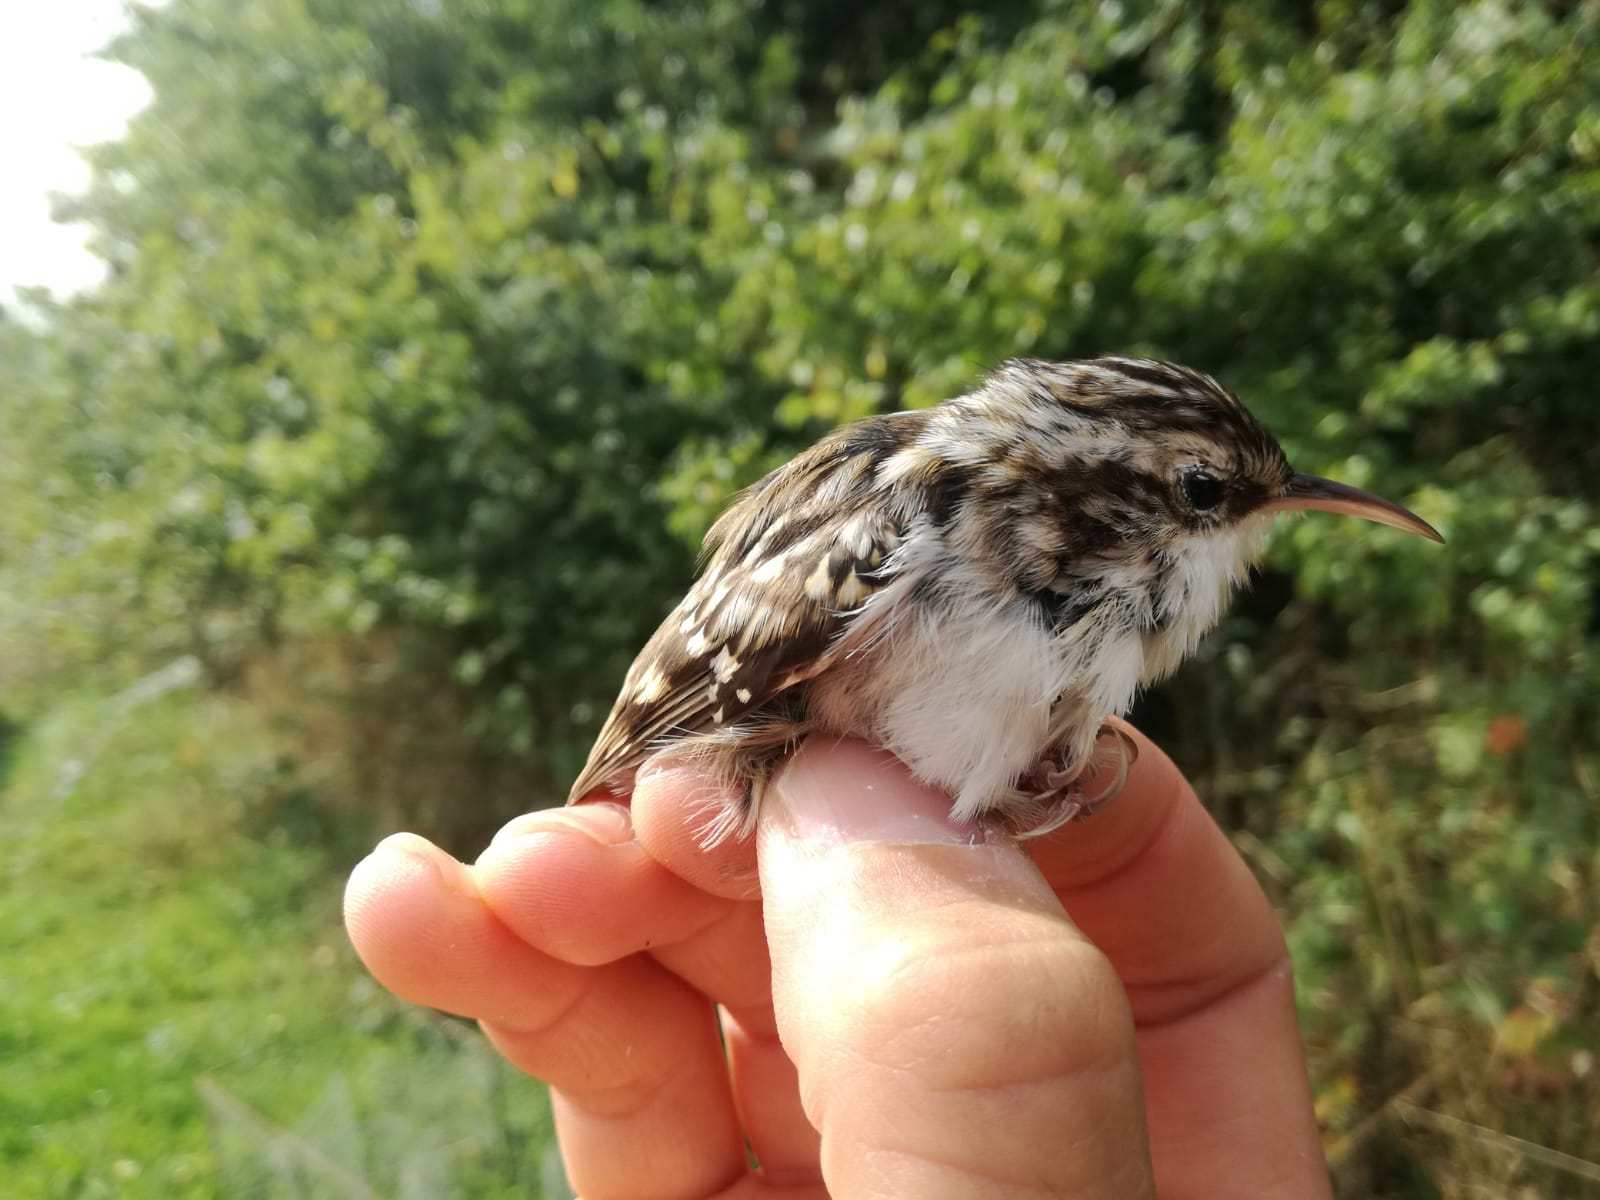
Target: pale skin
(1103,1013)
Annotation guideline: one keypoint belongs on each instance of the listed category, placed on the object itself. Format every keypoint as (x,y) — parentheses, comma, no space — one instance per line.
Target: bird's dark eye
(1202,489)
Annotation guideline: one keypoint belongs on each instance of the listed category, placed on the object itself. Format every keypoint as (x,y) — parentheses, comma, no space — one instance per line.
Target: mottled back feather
(776,604)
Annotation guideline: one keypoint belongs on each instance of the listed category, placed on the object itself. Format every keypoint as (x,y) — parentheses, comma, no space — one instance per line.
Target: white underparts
(971,691)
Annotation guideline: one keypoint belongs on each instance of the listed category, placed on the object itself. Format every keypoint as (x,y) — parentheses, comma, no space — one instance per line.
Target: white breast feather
(962,693)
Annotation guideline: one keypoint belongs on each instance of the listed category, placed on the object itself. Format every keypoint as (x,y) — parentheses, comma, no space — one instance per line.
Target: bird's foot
(1060,792)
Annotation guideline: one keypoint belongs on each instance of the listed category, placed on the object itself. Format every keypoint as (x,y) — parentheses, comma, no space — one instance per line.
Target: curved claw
(1066,812)
(1063,789)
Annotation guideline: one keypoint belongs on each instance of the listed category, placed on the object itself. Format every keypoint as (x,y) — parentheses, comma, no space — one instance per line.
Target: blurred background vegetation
(436,333)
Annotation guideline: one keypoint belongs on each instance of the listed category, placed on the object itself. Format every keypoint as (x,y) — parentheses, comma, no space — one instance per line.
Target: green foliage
(180,1014)
(459,326)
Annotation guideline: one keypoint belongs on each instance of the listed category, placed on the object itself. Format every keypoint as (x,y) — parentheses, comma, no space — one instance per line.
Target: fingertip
(603,822)
(673,806)
(410,906)
(836,791)
(402,873)
(575,884)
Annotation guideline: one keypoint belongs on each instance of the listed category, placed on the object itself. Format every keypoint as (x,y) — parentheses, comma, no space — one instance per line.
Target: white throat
(1194,594)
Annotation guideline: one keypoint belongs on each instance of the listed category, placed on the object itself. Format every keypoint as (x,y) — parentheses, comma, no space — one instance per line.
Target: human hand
(924,1002)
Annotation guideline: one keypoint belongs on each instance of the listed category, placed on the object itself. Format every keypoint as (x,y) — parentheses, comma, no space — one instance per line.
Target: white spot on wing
(724,665)
(652,685)
(767,571)
(759,550)
(817,586)
(852,591)
(734,615)
(912,460)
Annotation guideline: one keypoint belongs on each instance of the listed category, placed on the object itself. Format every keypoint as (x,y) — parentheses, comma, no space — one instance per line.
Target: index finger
(1157,886)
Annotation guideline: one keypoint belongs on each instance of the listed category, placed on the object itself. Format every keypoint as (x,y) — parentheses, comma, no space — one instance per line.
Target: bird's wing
(784,595)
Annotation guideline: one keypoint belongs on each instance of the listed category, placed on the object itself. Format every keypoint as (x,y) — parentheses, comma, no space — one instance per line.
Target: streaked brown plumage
(975,586)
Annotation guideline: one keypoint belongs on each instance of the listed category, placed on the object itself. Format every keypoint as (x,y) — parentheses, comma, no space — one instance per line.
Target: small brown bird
(976,587)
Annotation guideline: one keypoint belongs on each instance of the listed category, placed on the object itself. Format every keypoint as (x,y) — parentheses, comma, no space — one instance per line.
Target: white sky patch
(54,97)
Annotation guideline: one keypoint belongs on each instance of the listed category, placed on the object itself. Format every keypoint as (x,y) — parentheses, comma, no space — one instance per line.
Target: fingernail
(602,822)
(849,792)
(453,876)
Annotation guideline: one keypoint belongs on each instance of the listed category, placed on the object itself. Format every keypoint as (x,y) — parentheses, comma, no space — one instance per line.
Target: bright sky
(52,98)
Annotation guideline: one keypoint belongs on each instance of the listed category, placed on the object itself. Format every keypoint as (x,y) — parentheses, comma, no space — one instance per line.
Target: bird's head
(1124,470)
(1172,448)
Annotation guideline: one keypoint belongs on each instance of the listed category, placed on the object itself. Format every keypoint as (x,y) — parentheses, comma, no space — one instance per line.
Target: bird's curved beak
(1315,493)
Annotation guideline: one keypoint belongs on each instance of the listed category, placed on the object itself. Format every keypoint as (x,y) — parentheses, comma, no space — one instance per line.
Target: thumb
(955,1035)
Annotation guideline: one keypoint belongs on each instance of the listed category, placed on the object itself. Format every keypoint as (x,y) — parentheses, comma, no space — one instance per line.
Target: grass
(180,1013)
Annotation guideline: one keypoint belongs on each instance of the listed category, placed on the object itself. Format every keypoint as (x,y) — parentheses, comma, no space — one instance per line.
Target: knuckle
(982,1012)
